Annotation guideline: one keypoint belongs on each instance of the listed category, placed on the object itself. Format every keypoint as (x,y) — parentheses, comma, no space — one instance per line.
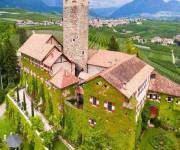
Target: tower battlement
(68,3)
(75,33)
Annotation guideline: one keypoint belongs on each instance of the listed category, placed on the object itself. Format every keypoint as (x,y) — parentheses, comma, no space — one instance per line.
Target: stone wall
(76,31)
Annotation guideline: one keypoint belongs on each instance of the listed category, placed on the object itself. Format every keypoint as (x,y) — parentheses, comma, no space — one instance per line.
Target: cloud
(111,3)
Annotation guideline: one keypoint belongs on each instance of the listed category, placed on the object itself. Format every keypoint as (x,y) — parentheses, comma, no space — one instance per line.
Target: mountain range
(136,8)
(139,7)
(31,5)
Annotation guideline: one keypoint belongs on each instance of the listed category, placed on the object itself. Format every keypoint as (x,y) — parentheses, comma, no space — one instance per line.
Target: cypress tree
(24,101)
(113,44)
(131,49)
(41,92)
(50,105)
(32,108)
(22,35)
(17,92)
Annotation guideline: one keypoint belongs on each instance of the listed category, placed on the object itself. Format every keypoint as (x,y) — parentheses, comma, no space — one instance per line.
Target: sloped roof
(127,76)
(63,79)
(36,46)
(51,59)
(163,85)
(106,59)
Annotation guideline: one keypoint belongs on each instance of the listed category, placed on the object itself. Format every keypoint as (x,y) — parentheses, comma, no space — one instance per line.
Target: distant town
(159,40)
(92,22)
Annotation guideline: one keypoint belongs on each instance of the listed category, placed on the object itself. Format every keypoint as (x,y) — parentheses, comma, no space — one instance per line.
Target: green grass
(167,113)
(148,140)
(58,145)
(5,127)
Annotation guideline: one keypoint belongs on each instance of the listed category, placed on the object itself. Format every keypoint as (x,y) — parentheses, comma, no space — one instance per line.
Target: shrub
(163,142)
(157,122)
(48,137)
(2,96)
(37,123)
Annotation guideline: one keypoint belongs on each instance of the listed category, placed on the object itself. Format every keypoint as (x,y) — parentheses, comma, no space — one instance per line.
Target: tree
(10,62)
(34,88)
(113,44)
(24,101)
(50,105)
(17,93)
(32,108)
(2,95)
(9,70)
(41,92)
(131,49)
(22,35)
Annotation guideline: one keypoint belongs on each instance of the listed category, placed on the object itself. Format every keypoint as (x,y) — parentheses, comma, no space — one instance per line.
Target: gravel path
(2,109)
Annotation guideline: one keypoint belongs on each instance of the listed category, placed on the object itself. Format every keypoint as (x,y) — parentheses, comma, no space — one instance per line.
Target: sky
(108,3)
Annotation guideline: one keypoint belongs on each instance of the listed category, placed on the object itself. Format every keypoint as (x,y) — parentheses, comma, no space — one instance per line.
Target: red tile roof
(36,46)
(63,79)
(105,58)
(52,58)
(128,76)
(163,85)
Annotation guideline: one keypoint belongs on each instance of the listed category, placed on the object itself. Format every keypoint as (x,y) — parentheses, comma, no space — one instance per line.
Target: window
(92,122)
(109,106)
(169,98)
(153,76)
(94,101)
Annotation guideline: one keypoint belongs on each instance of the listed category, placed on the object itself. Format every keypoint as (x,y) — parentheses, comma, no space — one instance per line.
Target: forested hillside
(9,70)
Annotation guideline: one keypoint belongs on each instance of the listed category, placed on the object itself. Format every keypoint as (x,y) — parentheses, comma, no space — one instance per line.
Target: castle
(74,64)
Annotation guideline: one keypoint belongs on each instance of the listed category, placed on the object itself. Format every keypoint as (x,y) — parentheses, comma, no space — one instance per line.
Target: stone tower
(76,32)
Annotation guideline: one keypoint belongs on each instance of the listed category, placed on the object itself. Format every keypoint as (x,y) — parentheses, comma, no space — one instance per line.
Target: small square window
(94,101)
(92,122)
(153,76)
(109,106)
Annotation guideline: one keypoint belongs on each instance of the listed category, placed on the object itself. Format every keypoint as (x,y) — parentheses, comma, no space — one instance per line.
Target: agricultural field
(12,15)
(150,29)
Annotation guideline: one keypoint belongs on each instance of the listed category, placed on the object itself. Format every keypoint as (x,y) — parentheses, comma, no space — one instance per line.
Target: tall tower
(75,33)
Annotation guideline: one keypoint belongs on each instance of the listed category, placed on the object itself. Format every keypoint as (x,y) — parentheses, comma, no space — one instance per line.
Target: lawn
(5,127)
(58,145)
(159,139)
(167,113)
